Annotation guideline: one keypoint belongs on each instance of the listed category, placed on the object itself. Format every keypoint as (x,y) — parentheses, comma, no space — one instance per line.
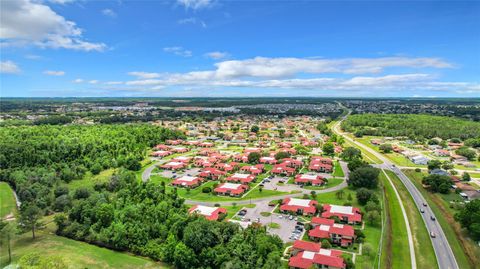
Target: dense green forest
(143,218)
(417,127)
(35,159)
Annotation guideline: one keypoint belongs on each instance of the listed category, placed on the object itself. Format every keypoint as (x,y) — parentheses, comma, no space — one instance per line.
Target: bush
(366,177)
(206,190)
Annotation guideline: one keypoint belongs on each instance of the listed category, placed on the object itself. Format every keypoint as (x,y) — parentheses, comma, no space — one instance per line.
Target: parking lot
(287,223)
(174,174)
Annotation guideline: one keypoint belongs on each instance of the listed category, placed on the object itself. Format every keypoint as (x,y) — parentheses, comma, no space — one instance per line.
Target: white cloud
(144,75)
(192,20)
(78,80)
(94,81)
(113,82)
(217,55)
(26,22)
(62,2)
(195,4)
(33,57)
(109,13)
(178,51)
(54,73)
(9,67)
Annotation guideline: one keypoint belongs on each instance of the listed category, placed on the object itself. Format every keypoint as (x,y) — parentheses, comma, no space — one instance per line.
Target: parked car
(291,217)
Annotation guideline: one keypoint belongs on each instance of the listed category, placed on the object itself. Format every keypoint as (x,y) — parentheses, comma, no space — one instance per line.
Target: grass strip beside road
(396,252)
(466,252)
(422,243)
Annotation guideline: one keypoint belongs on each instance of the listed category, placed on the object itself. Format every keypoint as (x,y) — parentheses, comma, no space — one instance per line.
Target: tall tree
(29,218)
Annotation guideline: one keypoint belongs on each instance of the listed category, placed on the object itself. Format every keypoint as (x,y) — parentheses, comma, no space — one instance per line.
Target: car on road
(424,204)
(422,210)
(291,217)
(280,216)
(433,235)
(432,218)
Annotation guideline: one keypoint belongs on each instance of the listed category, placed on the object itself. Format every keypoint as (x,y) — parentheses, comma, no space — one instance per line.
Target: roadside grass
(7,200)
(466,252)
(75,253)
(396,252)
(368,156)
(337,170)
(425,255)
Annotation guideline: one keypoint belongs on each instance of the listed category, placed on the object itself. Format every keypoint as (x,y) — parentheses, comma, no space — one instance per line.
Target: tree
(469,218)
(254,157)
(29,218)
(328,149)
(447,165)
(371,205)
(366,177)
(7,232)
(282,155)
(351,153)
(254,129)
(466,152)
(386,148)
(466,177)
(339,194)
(438,183)
(356,163)
(184,257)
(326,244)
(364,195)
(373,217)
(367,249)
(132,164)
(349,197)
(434,164)
(96,169)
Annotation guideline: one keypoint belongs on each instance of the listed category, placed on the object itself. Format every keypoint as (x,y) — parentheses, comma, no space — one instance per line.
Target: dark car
(432,218)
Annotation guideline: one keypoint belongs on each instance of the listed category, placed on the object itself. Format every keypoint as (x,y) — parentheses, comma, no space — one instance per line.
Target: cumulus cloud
(93,81)
(109,13)
(195,4)
(9,67)
(178,51)
(192,20)
(144,75)
(26,22)
(217,55)
(54,73)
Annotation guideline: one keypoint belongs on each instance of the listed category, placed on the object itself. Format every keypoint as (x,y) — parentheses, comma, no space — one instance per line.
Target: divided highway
(443,251)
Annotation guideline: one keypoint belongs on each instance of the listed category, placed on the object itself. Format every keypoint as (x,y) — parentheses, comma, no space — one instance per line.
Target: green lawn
(75,253)
(395,249)
(332,182)
(198,195)
(466,252)
(369,157)
(425,255)
(90,180)
(337,170)
(7,200)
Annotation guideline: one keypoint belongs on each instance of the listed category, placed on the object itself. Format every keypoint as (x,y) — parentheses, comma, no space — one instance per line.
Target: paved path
(445,257)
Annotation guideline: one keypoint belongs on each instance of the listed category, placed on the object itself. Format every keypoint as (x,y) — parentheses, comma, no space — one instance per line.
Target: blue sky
(204,48)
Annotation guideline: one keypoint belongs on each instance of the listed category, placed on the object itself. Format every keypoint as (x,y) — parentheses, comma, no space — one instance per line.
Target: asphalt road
(443,251)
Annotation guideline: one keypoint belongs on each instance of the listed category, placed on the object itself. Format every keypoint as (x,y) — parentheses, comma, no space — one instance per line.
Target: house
(339,234)
(307,255)
(306,179)
(182,159)
(209,212)
(281,169)
(320,167)
(161,153)
(187,181)
(243,158)
(250,150)
(299,206)
(162,147)
(419,159)
(206,144)
(174,165)
(211,173)
(174,142)
(442,152)
(290,162)
(191,143)
(227,167)
(268,160)
(253,169)
(347,214)
(376,142)
(230,189)
(241,178)
(438,171)
(180,149)
(285,145)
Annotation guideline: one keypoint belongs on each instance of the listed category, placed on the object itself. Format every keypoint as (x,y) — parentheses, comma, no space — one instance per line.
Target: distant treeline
(417,127)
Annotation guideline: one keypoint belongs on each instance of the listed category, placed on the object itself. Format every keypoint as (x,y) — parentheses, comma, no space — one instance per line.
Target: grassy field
(337,170)
(7,200)
(422,243)
(395,250)
(467,253)
(90,180)
(75,253)
(332,182)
